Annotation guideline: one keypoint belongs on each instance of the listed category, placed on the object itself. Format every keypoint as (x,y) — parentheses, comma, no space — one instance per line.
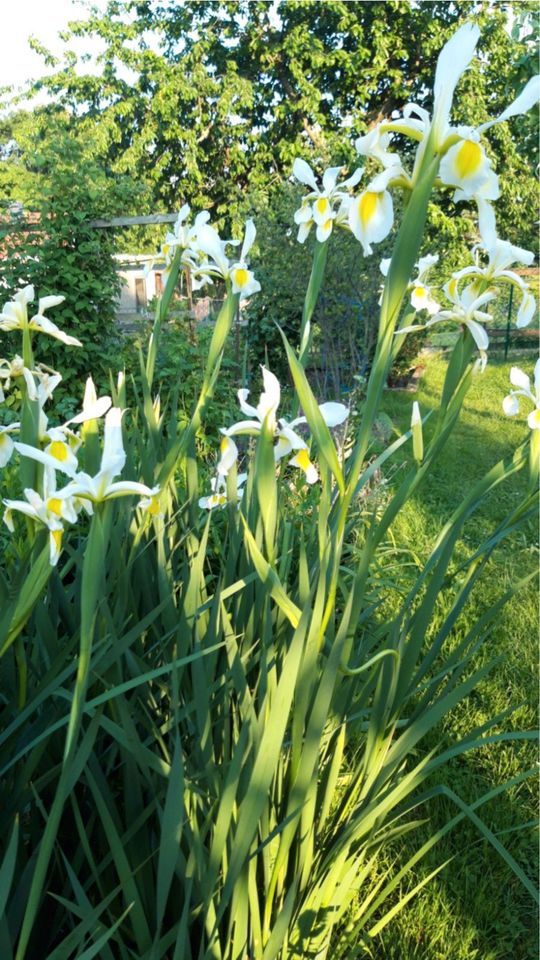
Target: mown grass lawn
(476,909)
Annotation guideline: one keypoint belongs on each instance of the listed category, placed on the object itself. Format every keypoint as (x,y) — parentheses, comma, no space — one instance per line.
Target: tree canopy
(204,101)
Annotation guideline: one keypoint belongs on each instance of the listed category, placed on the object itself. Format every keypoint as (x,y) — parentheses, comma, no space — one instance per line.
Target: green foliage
(180,369)
(206,102)
(55,249)
(218,728)
(213,684)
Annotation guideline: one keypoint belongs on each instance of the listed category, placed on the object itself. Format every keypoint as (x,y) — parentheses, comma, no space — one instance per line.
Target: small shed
(138,286)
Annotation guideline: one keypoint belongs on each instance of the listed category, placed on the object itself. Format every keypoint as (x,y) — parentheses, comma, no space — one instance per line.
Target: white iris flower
(62,442)
(465,309)
(464,164)
(52,510)
(421,294)
(6,443)
(102,487)
(371,215)
(14,316)
(325,205)
(218,264)
(184,237)
(501,256)
(184,234)
(11,370)
(521,381)
(416,122)
(286,437)
(218,497)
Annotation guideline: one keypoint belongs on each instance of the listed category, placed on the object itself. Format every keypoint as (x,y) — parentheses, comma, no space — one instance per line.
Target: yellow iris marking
(224,445)
(241,277)
(452,287)
(58,449)
(367,206)
(153,507)
(54,505)
(321,205)
(3,440)
(57,537)
(302,459)
(420,292)
(536,418)
(468,159)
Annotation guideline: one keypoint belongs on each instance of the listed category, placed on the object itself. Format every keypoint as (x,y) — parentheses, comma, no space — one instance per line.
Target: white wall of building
(137,289)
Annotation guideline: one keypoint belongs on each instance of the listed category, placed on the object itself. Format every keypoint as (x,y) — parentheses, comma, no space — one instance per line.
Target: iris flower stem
(28,357)
(160,314)
(29,433)
(316,278)
(406,251)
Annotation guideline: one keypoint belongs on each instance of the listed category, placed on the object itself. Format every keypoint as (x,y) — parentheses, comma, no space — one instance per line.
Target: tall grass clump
(212,725)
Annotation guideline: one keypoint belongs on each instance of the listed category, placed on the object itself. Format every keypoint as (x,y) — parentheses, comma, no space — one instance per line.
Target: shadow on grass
(476,909)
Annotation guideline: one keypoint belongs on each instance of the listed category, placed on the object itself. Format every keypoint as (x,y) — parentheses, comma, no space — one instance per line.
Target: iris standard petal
(330,177)
(271,395)
(486,223)
(453,60)
(249,238)
(333,413)
(114,456)
(92,411)
(304,174)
